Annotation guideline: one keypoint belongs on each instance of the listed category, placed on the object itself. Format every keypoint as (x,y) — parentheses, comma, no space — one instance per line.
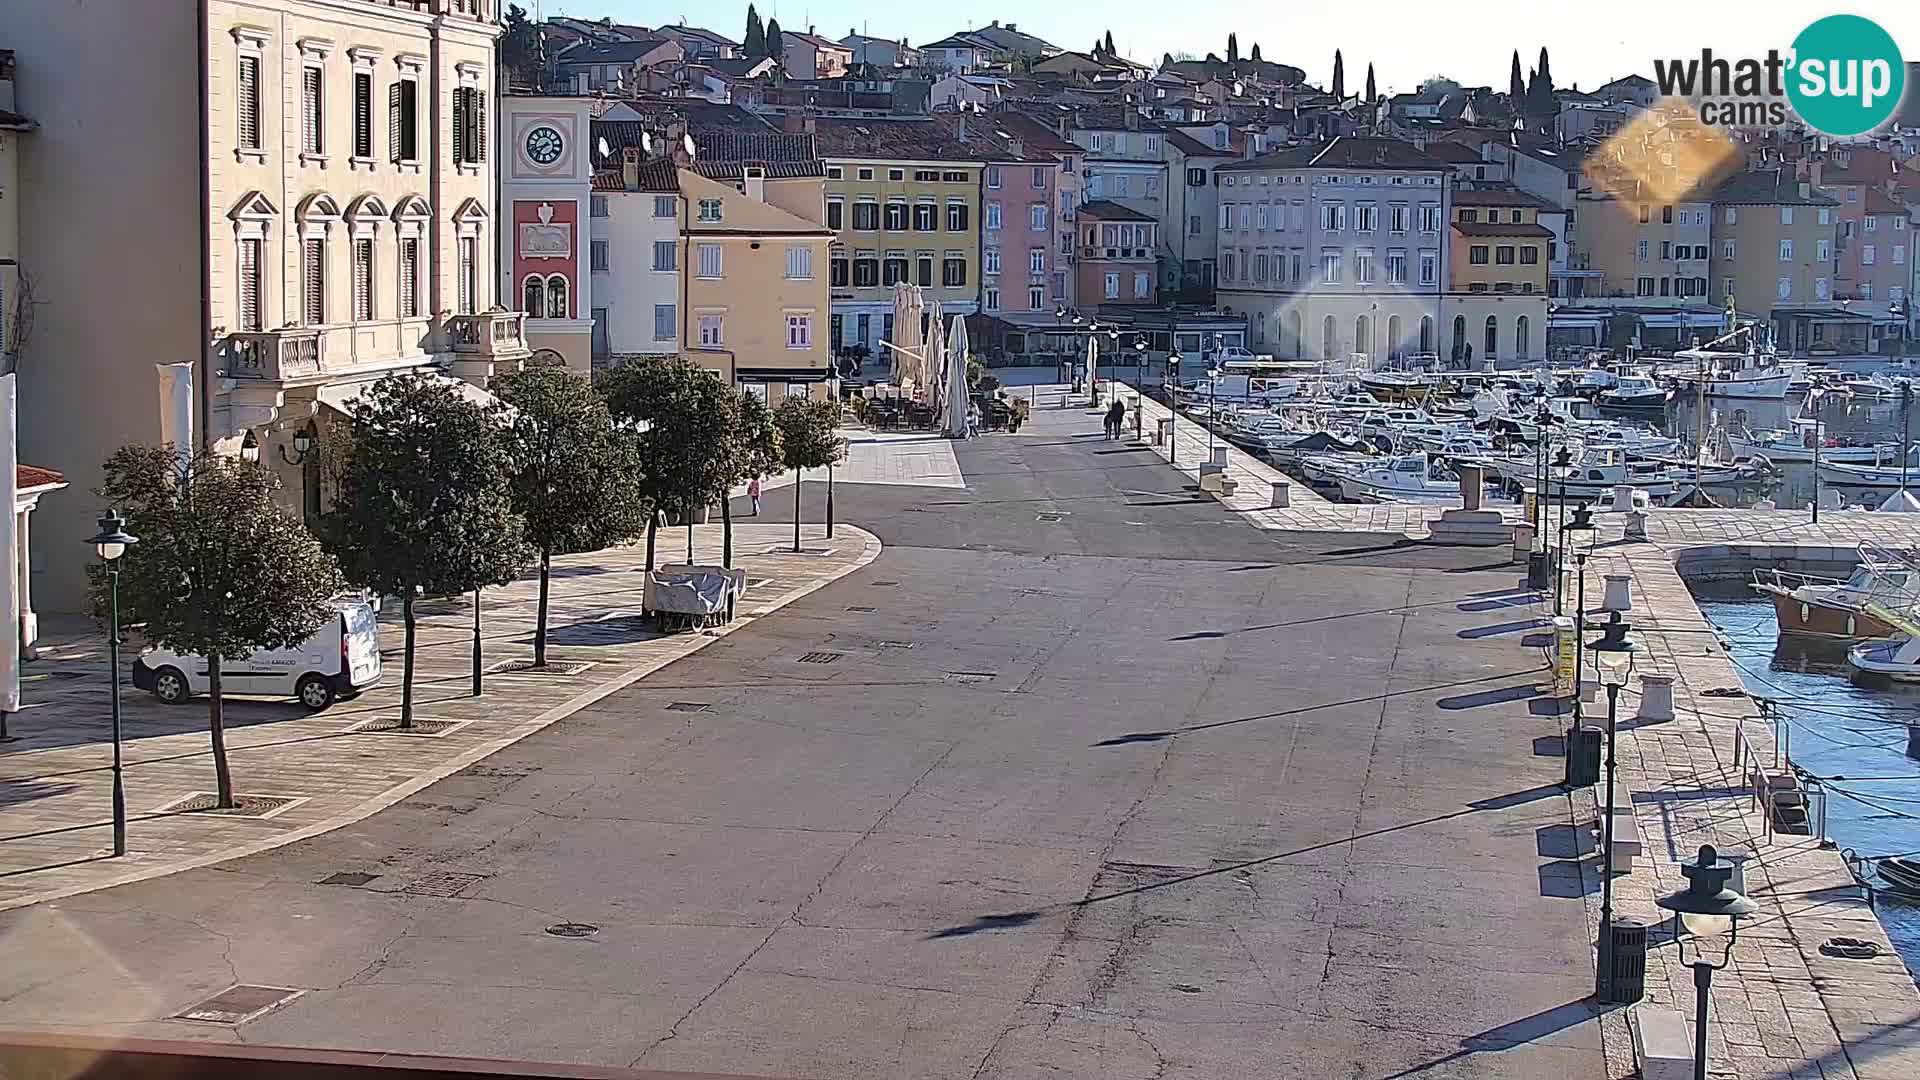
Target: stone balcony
(289,354)
(496,334)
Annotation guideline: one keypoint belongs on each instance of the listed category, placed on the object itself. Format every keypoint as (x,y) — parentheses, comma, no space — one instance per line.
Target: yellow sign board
(1566,655)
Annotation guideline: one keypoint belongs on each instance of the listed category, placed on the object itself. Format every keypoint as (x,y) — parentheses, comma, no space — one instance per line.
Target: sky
(1406,40)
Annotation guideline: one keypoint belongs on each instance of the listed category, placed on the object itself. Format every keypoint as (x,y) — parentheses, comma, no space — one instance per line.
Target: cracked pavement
(1230,802)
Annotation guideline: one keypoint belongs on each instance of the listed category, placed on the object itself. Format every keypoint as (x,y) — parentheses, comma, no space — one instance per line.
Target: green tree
(755,45)
(685,417)
(776,42)
(809,439)
(1108,43)
(221,569)
(520,48)
(1516,85)
(575,474)
(1372,94)
(1255,54)
(1233,48)
(1339,77)
(425,505)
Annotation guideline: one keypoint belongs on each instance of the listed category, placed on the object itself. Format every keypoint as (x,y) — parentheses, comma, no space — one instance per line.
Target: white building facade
(1336,251)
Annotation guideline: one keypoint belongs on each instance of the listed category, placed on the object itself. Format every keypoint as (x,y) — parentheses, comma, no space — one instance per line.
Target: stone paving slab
(55,781)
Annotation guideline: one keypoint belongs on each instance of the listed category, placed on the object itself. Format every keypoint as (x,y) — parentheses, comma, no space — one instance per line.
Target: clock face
(543,145)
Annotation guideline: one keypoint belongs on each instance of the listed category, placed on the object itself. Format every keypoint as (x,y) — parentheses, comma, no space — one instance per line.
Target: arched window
(1426,333)
(1394,349)
(1493,338)
(1363,336)
(1459,347)
(557,297)
(535,304)
(1522,348)
(1329,342)
(1294,336)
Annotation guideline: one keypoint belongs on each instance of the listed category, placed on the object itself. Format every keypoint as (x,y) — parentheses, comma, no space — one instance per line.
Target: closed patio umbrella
(957,378)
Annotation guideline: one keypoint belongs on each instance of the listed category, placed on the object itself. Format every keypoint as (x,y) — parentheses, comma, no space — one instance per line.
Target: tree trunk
(217,725)
(406,662)
(796,511)
(540,618)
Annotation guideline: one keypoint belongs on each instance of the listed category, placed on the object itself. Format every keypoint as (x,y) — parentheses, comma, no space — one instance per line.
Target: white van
(340,660)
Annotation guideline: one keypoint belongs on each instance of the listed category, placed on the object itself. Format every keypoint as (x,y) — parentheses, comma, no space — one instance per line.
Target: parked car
(340,660)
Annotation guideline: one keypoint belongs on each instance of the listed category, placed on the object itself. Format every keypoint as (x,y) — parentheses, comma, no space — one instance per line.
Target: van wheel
(315,692)
(170,686)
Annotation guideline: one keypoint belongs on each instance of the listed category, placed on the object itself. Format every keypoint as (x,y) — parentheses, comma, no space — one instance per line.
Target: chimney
(1013,28)
(1018,147)
(1133,117)
(1806,189)
(963,123)
(756,183)
(630,168)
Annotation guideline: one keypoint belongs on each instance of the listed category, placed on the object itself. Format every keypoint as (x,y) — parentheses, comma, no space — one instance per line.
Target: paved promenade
(55,827)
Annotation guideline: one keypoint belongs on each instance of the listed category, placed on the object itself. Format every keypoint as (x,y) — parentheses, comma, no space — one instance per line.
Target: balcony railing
(282,355)
(489,333)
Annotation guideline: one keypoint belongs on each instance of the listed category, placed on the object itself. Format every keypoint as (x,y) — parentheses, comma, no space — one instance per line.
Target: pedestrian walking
(973,419)
(1116,417)
(753,494)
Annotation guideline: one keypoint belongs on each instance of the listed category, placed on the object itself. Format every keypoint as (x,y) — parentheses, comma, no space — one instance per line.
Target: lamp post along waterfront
(111,542)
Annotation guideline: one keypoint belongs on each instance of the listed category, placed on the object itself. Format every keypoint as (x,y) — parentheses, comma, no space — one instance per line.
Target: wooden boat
(1408,478)
(1796,444)
(1901,872)
(1831,608)
(1730,374)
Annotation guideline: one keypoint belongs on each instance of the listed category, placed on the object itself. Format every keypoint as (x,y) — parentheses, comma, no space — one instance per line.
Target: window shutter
(362,279)
(467,258)
(393,123)
(362,114)
(460,124)
(479,138)
(250,285)
(314,283)
(310,110)
(409,275)
(250,102)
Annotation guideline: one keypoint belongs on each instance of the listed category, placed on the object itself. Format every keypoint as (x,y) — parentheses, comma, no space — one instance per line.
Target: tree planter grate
(893,644)
(353,878)
(861,608)
(969,678)
(820,657)
(244,806)
(421,729)
(573,930)
(883,584)
(239,1003)
(554,668)
(445,883)
(688,706)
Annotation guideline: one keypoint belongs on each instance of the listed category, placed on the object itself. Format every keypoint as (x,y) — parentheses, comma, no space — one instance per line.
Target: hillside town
(756,550)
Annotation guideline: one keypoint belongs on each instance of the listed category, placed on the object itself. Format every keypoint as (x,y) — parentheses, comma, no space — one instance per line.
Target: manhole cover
(688,706)
(246,806)
(421,729)
(1848,948)
(968,678)
(573,929)
(820,657)
(883,584)
(861,607)
(239,1003)
(348,877)
(442,883)
(553,667)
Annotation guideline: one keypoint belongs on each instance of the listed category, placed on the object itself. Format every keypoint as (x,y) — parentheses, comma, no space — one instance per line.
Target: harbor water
(1840,415)
(1836,728)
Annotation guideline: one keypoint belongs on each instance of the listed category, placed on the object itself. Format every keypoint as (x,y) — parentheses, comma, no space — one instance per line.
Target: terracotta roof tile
(33,476)
(1488,228)
(1108,210)
(854,138)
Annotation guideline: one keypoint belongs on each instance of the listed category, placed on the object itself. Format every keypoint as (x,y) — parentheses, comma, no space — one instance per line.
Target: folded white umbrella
(957,378)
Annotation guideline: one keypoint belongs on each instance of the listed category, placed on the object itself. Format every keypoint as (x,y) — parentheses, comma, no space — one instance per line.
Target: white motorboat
(1397,385)
(1314,443)
(1408,478)
(1753,375)
(1861,385)
(1796,444)
(1596,472)
(1896,658)
(1882,474)
(1327,468)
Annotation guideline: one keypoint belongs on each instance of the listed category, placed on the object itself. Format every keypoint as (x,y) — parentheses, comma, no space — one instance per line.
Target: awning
(341,396)
(1696,319)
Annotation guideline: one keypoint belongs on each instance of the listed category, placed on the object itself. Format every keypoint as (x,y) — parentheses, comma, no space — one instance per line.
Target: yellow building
(754,267)
(1653,253)
(1773,246)
(1495,307)
(903,200)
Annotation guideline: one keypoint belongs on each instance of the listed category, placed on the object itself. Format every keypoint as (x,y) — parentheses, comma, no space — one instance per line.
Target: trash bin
(1522,543)
(1583,756)
(1627,951)
(1163,431)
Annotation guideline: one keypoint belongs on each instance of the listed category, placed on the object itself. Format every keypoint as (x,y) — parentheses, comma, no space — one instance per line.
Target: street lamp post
(111,542)
(1139,383)
(1582,532)
(1613,661)
(1562,468)
(1213,403)
(1813,402)
(302,444)
(1173,404)
(1707,907)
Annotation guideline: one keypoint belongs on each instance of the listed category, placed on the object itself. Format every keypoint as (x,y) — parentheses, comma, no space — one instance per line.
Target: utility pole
(1906,430)
(1699,425)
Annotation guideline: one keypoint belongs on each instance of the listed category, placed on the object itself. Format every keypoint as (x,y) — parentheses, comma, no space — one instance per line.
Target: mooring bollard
(1619,595)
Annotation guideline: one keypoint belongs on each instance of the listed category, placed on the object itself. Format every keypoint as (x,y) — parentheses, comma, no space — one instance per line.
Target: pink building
(1029,136)
(1872,242)
(1117,263)
(1018,216)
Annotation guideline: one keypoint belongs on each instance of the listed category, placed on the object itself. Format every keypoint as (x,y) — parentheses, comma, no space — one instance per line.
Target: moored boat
(1832,608)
